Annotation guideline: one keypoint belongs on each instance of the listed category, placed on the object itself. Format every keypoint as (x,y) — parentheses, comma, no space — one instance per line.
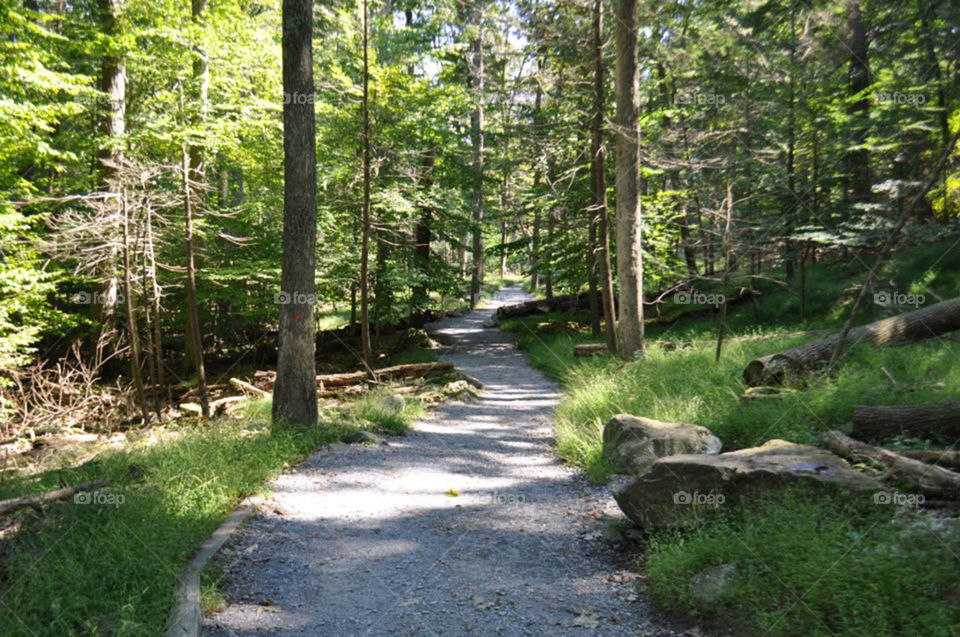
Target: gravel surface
(469,525)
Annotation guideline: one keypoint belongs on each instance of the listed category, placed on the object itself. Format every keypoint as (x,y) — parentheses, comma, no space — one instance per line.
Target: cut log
(937,420)
(35,500)
(247,387)
(908,327)
(942,457)
(930,479)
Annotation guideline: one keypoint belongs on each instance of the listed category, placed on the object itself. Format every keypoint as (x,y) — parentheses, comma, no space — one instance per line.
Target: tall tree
(630,340)
(295,392)
(600,218)
(112,127)
(476,137)
(365,222)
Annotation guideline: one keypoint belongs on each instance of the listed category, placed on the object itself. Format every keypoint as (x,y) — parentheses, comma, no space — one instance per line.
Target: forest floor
(468,525)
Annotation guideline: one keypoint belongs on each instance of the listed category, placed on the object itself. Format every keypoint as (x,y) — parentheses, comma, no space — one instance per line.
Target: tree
(600,252)
(295,391)
(476,140)
(630,340)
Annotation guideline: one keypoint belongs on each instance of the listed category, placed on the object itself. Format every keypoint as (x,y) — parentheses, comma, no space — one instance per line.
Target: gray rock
(634,444)
(710,585)
(677,486)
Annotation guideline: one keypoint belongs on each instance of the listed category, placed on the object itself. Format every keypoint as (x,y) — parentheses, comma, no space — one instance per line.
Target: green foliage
(813,564)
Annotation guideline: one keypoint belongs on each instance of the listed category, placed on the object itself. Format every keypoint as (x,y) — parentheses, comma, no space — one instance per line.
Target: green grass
(810,563)
(110,569)
(846,561)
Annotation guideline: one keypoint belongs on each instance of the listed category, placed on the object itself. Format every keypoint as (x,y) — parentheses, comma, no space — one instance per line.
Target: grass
(110,569)
(845,561)
(809,563)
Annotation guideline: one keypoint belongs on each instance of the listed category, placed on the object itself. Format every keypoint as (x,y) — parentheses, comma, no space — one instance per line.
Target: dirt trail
(375,541)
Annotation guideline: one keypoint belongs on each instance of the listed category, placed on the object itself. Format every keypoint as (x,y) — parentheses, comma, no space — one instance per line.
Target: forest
(234,233)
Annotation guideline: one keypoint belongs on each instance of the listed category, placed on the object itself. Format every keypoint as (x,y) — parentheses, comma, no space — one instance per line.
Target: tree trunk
(193,325)
(598,183)
(133,334)
(365,243)
(112,126)
(294,396)
(858,159)
(940,421)
(421,250)
(476,278)
(629,222)
(912,326)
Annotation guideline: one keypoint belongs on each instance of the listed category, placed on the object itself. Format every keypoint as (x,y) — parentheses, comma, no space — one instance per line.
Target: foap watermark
(507,499)
(695,297)
(296,298)
(97,298)
(896,97)
(914,500)
(698,499)
(896,298)
(298,98)
(99,498)
(699,99)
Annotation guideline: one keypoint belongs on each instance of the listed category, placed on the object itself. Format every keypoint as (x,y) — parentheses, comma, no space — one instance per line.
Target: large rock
(677,486)
(634,444)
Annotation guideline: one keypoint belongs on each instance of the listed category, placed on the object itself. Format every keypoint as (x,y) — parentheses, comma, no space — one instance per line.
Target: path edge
(185,616)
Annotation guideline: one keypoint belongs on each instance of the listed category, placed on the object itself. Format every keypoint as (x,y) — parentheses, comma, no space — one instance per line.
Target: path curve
(371,540)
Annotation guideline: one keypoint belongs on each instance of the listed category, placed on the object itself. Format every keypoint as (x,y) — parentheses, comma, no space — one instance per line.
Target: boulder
(677,486)
(633,444)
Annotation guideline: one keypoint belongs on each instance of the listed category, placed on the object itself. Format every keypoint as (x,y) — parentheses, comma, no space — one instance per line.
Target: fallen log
(930,479)
(941,457)
(247,387)
(266,379)
(219,405)
(917,325)
(579,301)
(936,420)
(35,500)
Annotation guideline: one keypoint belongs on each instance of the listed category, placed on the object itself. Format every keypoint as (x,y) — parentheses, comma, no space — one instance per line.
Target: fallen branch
(247,387)
(930,479)
(35,500)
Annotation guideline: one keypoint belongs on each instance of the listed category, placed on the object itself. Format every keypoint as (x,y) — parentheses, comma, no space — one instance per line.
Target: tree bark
(294,397)
(476,278)
(193,326)
(133,334)
(930,479)
(939,420)
(421,251)
(365,242)
(112,126)
(858,159)
(630,340)
(912,326)
(598,183)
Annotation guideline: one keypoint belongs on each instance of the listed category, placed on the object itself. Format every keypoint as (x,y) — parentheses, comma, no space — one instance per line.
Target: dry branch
(35,500)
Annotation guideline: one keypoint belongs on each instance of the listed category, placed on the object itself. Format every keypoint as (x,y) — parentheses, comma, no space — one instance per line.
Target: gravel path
(376,541)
